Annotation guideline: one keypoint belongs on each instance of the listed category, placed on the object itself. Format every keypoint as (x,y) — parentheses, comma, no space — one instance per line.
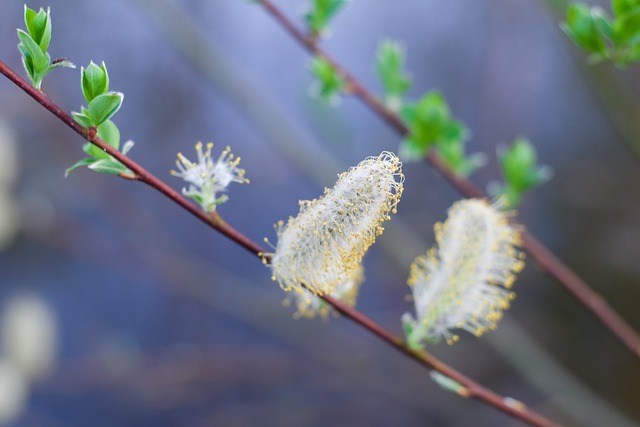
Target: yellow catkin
(463,281)
(322,247)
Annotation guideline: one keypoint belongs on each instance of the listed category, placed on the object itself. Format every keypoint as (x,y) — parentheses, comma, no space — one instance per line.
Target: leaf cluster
(330,83)
(320,13)
(34,44)
(615,38)
(521,171)
(102,105)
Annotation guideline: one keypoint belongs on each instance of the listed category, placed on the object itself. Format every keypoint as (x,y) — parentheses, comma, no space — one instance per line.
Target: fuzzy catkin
(320,248)
(463,281)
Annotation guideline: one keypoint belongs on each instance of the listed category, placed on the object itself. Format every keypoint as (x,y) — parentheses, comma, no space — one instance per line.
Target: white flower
(309,305)
(320,248)
(464,281)
(208,178)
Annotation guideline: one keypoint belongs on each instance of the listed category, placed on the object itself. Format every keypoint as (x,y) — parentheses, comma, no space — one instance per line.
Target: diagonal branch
(550,263)
(469,388)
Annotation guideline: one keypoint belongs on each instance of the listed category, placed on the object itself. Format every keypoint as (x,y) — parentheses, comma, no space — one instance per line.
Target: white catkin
(29,335)
(320,248)
(14,391)
(463,281)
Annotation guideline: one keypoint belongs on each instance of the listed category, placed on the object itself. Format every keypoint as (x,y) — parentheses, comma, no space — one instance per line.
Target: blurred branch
(470,387)
(544,257)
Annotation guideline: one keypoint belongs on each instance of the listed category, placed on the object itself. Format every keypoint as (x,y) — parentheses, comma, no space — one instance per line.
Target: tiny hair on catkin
(463,282)
(320,248)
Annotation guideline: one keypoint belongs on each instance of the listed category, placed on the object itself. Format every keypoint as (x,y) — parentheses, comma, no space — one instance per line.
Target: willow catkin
(464,281)
(322,247)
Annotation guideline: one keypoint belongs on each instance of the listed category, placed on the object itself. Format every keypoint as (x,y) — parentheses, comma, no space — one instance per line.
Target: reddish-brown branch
(542,255)
(141,174)
(470,387)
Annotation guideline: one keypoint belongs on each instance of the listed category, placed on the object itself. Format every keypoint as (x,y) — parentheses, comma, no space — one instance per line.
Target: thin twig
(551,264)
(469,387)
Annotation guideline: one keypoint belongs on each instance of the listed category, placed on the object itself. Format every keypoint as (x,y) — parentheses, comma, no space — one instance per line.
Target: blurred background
(149,318)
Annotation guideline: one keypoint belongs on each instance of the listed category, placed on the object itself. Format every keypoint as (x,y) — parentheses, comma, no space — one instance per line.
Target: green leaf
(38,60)
(582,28)
(330,83)
(95,81)
(321,12)
(104,106)
(390,68)
(109,166)
(620,7)
(520,170)
(83,119)
(94,151)
(80,163)
(38,26)
(107,131)
(426,120)
(110,133)
(626,28)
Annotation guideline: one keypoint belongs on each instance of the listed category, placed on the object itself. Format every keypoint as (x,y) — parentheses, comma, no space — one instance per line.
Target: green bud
(426,120)
(34,60)
(95,81)
(390,67)
(38,26)
(320,13)
(82,118)
(520,170)
(329,83)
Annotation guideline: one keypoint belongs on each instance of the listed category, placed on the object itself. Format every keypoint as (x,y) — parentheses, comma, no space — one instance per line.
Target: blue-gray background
(164,322)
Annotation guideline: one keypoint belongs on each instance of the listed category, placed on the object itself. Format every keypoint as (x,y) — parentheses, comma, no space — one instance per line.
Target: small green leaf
(426,120)
(94,151)
(620,7)
(110,133)
(104,106)
(38,26)
(582,28)
(329,83)
(109,166)
(95,81)
(80,163)
(83,119)
(321,12)
(39,61)
(626,28)
(390,68)
(520,170)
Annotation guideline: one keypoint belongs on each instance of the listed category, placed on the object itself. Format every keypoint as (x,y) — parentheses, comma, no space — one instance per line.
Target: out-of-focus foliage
(34,44)
(614,38)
